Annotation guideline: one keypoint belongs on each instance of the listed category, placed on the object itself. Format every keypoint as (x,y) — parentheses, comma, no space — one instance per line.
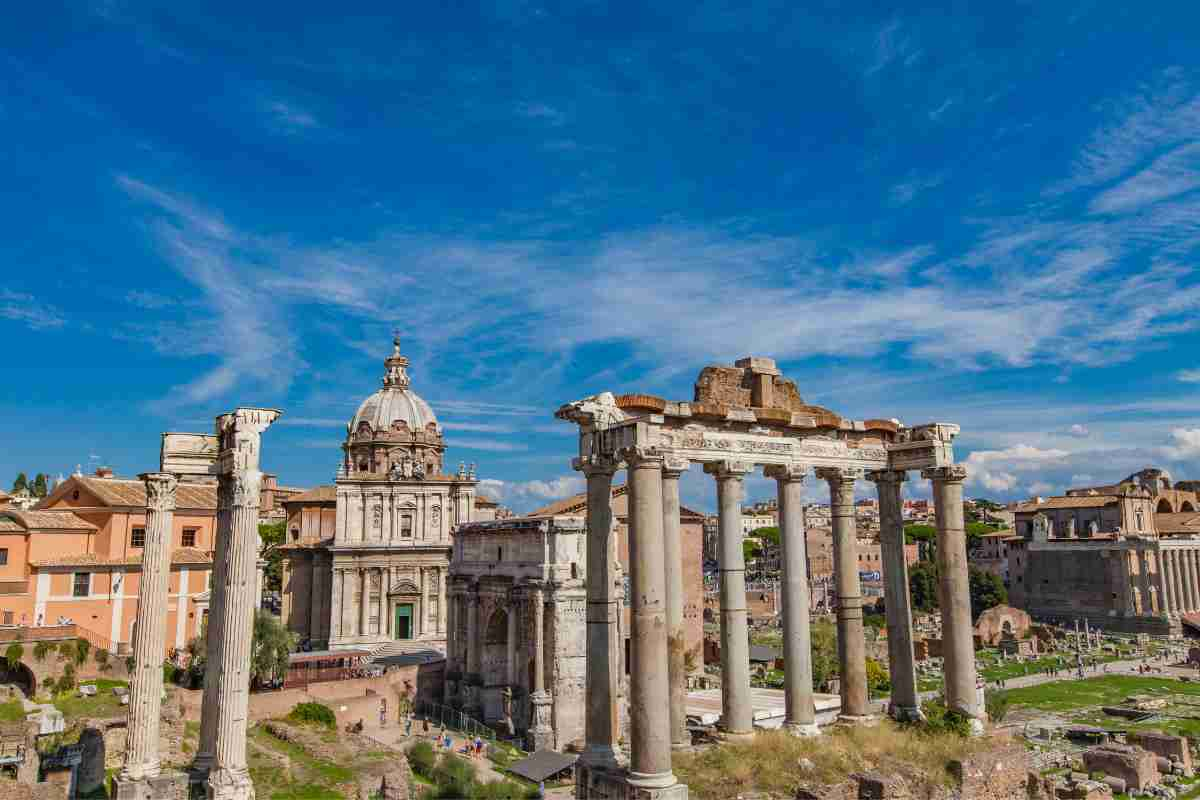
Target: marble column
(649,691)
(800,714)
(541,734)
(142,759)
(1148,592)
(1191,585)
(1177,602)
(239,485)
(1184,605)
(852,647)
(335,605)
(902,667)
(676,641)
(1164,582)
(737,711)
(602,722)
(472,680)
(958,642)
(364,602)
(211,714)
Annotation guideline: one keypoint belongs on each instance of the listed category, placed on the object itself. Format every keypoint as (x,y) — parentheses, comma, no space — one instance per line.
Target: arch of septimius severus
(742,418)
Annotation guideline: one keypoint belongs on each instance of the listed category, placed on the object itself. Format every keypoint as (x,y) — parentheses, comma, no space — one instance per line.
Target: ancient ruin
(740,418)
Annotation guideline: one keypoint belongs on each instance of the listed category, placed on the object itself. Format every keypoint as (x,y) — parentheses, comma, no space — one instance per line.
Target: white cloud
(488,445)
(1188,376)
(288,117)
(524,495)
(1002,470)
(1185,444)
(1172,174)
(1078,431)
(477,427)
(29,311)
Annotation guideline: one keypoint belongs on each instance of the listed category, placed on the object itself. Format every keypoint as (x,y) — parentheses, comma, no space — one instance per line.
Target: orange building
(77,558)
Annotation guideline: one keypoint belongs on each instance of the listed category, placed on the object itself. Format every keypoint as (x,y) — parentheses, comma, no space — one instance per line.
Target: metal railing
(455,720)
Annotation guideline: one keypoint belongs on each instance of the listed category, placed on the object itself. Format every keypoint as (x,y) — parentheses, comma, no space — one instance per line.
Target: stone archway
(1164,507)
(494,667)
(1188,507)
(21,675)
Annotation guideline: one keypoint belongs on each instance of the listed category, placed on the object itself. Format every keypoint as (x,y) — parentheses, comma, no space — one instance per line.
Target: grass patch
(12,711)
(104,704)
(1107,690)
(768,763)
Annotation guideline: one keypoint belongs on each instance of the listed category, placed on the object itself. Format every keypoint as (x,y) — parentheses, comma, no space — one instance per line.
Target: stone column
(649,691)
(852,647)
(902,668)
(364,602)
(211,714)
(800,716)
(1191,590)
(1148,593)
(958,643)
(1177,603)
(737,711)
(149,641)
(238,485)
(335,605)
(474,653)
(1164,582)
(676,641)
(602,721)
(541,734)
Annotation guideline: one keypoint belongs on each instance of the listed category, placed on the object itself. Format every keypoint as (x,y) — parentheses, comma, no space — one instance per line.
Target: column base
(229,784)
(540,735)
(736,736)
(601,758)
(857,719)
(907,714)
(164,786)
(802,728)
(976,726)
(601,784)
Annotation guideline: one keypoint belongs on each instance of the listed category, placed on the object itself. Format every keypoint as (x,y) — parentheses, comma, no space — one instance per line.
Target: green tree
(879,682)
(13,655)
(270,647)
(271,534)
(987,590)
(770,535)
(919,533)
(824,652)
(922,585)
(750,550)
(21,483)
(41,650)
(39,485)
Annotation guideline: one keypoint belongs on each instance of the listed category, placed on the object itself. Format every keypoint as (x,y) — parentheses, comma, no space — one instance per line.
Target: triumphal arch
(741,418)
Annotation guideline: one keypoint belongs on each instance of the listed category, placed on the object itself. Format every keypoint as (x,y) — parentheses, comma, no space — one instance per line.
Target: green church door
(404,621)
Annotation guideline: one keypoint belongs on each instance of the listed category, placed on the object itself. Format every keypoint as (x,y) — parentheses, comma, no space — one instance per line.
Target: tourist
(425,723)
(449,744)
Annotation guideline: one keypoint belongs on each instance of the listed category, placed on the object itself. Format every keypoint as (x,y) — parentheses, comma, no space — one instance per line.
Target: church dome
(396,402)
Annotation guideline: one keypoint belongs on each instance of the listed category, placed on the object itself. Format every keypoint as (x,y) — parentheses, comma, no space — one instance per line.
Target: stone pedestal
(541,734)
(599,783)
(164,786)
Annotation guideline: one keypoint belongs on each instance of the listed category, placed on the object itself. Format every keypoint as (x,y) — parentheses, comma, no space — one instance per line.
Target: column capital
(728,469)
(840,474)
(673,467)
(953,473)
(240,489)
(887,475)
(595,465)
(786,473)
(160,490)
(635,457)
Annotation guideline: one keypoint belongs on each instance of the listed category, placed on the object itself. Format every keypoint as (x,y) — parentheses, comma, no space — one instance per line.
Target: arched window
(497,629)
(1164,506)
(1188,507)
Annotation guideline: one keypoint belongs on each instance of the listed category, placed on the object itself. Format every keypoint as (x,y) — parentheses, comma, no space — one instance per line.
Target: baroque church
(366,560)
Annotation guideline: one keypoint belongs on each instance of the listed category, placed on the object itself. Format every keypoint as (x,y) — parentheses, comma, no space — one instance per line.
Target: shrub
(939,719)
(422,759)
(454,778)
(314,714)
(14,654)
(169,672)
(67,682)
(41,650)
(82,648)
(996,704)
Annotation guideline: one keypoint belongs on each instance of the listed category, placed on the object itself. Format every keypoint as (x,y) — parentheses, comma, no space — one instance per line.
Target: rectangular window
(83,584)
(137,537)
(406,526)
(189,537)
(8,618)
(3,556)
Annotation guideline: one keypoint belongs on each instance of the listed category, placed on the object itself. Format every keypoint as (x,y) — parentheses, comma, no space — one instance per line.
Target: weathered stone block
(1134,765)
(1161,744)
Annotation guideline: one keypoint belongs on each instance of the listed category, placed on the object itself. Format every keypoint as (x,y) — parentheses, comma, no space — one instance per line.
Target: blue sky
(989,216)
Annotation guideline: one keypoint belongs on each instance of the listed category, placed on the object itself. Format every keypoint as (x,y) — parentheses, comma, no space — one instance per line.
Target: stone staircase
(381,653)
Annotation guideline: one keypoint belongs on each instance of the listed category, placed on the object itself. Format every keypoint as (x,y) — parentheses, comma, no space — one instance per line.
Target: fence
(451,718)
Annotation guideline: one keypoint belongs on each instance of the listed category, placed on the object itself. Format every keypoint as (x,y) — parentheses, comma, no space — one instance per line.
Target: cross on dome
(395,375)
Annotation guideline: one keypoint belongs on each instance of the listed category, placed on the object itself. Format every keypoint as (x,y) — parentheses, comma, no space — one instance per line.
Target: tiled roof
(1186,522)
(123,492)
(182,555)
(321,494)
(48,520)
(10,525)
(577,504)
(1088,501)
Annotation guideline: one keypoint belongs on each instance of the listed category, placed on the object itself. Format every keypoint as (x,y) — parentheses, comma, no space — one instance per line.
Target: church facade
(367,560)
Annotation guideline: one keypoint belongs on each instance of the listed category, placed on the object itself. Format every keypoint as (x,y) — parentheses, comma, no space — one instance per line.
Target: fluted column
(676,640)
(649,692)
(957,629)
(902,667)
(852,647)
(364,601)
(1193,589)
(474,653)
(211,713)
(1148,593)
(1177,603)
(541,734)
(602,723)
(737,711)
(239,486)
(145,691)
(800,714)
(1164,582)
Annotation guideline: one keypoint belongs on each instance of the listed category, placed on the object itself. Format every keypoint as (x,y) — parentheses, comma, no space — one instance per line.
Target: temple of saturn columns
(232,457)
(744,417)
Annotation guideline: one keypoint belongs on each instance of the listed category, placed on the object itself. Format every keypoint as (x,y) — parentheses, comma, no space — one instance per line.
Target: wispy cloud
(288,117)
(523,495)
(892,43)
(907,190)
(1188,376)
(487,445)
(29,311)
